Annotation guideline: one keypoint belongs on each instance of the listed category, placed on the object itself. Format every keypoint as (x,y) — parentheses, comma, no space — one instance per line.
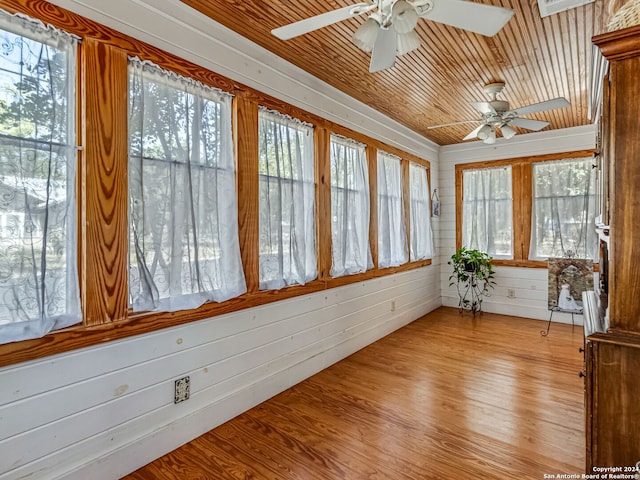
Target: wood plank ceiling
(538,58)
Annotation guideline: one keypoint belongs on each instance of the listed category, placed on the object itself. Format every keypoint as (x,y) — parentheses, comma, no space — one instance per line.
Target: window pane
(351,252)
(392,236)
(183,230)
(487,211)
(563,209)
(421,234)
(38,269)
(287,202)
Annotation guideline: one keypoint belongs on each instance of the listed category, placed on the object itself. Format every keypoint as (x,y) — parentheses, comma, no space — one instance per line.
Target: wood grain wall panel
(526,207)
(614,358)
(105,188)
(459,182)
(622,50)
(406,202)
(322,139)
(625,291)
(523,189)
(615,402)
(246,138)
(372,165)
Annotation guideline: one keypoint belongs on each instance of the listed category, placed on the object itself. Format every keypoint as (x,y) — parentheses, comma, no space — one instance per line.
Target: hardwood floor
(446,397)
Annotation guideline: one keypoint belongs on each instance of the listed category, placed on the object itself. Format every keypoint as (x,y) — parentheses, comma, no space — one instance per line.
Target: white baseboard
(524,311)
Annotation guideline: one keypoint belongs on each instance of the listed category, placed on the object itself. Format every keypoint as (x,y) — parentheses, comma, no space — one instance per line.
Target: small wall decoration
(568,278)
(435,204)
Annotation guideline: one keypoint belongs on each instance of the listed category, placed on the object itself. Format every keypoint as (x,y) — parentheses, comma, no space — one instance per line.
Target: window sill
(527,264)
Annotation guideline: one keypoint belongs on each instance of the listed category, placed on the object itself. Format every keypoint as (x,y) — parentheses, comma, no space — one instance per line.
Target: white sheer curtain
(421,234)
(487,211)
(392,235)
(287,201)
(350,208)
(183,227)
(563,213)
(38,269)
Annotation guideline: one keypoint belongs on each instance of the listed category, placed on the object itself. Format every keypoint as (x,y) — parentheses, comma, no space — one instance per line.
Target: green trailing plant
(472,276)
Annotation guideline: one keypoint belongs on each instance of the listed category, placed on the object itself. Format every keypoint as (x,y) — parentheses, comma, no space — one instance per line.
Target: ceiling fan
(497,115)
(389,30)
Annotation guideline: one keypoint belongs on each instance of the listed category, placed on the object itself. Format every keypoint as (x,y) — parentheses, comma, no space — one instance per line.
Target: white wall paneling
(77,415)
(530,284)
(436,221)
(104,411)
(101,412)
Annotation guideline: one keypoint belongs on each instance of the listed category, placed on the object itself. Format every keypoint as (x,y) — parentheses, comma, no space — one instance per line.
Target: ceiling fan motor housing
(500,107)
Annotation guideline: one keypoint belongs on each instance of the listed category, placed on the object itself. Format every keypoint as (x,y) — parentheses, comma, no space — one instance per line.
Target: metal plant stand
(471,295)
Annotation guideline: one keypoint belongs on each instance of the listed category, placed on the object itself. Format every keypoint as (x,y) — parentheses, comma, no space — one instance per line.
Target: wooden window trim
(102,103)
(522,193)
(372,164)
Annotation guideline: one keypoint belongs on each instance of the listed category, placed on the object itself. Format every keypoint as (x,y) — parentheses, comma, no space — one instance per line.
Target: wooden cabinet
(621,141)
(613,358)
(613,403)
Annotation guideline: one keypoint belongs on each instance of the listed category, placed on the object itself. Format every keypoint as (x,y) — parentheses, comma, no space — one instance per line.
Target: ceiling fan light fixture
(491,138)
(366,34)
(507,131)
(407,42)
(485,131)
(405,17)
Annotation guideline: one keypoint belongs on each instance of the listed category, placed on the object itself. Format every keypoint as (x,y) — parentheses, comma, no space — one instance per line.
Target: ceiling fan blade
(453,123)
(483,107)
(541,107)
(473,134)
(527,123)
(476,17)
(384,50)
(310,24)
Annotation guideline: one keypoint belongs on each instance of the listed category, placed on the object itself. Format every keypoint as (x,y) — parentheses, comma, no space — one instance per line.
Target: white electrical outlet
(511,293)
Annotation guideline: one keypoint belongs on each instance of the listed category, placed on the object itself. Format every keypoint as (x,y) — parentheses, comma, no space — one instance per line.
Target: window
(183,227)
(287,201)
(39,289)
(563,213)
(421,235)
(552,216)
(351,252)
(487,211)
(392,235)
(158,171)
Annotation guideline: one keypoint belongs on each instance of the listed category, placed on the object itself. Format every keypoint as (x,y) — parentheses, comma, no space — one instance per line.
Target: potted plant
(473,277)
